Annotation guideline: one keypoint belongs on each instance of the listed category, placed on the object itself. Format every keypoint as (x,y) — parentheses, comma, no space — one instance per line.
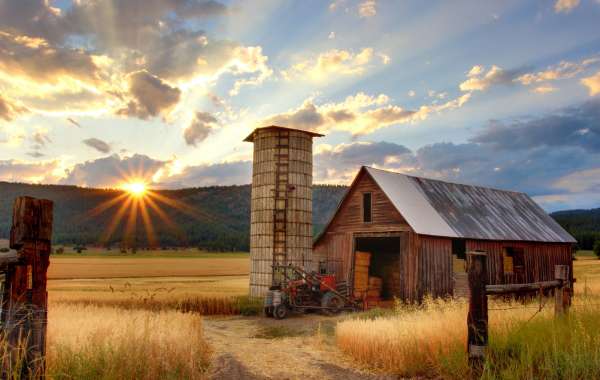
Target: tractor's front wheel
(280,312)
(332,303)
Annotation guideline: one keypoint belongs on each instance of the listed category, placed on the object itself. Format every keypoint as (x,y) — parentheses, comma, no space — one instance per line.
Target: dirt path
(263,348)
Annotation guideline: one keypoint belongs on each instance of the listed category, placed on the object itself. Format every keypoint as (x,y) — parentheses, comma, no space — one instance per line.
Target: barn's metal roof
(438,208)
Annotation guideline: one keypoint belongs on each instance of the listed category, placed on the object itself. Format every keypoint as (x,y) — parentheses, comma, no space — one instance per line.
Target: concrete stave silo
(281,205)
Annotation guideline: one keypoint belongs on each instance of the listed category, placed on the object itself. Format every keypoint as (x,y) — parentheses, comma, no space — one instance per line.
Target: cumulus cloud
(479,80)
(338,164)
(554,157)
(359,114)
(99,145)
(90,47)
(583,181)
(592,83)
(221,174)
(9,110)
(249,60)
(331,63)
(199,128)
(563,70)
(565,6)
(577,126)
(32,172)
(535,171)
(367,8)
(21,56)
(111,171)
(151,96)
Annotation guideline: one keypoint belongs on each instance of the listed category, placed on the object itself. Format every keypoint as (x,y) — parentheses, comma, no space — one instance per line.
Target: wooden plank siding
(349,217)
(336,246)
(540,258)
(435,267)
(336,251)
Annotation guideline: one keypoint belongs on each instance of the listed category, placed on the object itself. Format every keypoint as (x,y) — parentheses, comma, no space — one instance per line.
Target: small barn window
(367,208)
(514,261)
(459,248)
(459,255)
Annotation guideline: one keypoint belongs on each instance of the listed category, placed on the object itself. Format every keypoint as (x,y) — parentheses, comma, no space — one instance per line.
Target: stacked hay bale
(362,261)
(375,286)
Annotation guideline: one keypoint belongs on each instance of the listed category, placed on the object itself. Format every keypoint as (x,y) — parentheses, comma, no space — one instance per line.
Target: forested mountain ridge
(215,218)
(584,225)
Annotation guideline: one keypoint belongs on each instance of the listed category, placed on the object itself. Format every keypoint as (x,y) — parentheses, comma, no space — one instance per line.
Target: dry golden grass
(413,340)
(90,342)
(158,288)
(127,267)
(430,340)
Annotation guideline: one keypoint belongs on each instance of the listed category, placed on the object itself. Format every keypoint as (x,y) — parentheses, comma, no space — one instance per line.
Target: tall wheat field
(525,343)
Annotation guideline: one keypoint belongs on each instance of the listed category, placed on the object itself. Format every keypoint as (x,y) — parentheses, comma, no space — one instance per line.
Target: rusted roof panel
(439,208)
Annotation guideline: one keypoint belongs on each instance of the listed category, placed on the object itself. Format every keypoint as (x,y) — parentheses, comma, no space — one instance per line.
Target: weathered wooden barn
(418,231)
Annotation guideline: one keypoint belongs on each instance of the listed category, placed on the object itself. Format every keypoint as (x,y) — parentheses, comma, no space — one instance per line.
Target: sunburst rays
(137,202)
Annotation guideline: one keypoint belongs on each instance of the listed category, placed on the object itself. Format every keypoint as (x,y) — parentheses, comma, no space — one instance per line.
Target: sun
(136,189)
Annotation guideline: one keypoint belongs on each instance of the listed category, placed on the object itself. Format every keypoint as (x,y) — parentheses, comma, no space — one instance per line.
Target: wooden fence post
(25,299)
(562,293)
(477,319)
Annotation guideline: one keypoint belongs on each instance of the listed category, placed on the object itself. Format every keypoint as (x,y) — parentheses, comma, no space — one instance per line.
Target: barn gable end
(348,216)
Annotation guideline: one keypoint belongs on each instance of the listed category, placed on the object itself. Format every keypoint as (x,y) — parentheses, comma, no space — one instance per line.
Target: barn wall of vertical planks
(281,204)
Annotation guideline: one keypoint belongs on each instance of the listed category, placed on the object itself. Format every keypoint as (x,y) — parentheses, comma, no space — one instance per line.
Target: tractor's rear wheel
(280,312)
(332,303)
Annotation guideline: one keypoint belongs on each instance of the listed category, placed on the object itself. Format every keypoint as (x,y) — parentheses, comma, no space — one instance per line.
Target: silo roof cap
(250,137)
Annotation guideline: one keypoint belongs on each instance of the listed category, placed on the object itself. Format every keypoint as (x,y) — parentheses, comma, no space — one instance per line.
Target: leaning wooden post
(25,302)
(562,293)
(477,319)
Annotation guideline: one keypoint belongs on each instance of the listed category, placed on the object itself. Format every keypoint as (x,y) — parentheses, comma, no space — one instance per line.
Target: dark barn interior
(385,262)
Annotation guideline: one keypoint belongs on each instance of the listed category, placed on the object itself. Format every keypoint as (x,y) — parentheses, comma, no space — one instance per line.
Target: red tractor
(301,291)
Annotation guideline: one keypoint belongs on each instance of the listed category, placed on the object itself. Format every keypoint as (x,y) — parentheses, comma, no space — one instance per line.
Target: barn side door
(339,255)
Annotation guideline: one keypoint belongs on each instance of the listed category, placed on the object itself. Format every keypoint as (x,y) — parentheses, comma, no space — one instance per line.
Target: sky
(496,93)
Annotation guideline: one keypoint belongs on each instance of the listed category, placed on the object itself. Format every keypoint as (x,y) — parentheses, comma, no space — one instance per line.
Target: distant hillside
(216,218)
(584,225)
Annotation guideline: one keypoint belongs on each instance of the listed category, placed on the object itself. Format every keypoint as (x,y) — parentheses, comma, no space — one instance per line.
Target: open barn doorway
(383,281)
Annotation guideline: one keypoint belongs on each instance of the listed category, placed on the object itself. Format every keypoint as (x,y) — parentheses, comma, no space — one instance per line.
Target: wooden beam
(518,288)
(32,221)
(25,299)
(477,319)
(562,293)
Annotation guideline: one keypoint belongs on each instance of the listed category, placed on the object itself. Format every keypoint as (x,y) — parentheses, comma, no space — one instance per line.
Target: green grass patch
(585,254)
(545,348)
(248,306)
